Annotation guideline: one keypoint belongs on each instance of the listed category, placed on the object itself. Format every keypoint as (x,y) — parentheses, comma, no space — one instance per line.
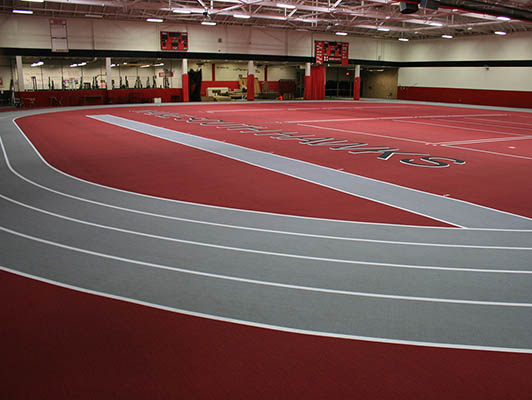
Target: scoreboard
(174,41)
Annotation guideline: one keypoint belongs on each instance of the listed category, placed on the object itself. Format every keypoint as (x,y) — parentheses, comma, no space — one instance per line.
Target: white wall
(492,78)
(34,32)
(517,46)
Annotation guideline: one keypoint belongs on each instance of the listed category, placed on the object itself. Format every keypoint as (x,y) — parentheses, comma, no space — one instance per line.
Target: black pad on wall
(408,8)
(430,4)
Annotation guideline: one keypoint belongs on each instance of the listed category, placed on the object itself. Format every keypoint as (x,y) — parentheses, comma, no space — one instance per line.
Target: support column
(356,83)
(251,81)
(184,79)
(308,82)
(108,77)
(20,74)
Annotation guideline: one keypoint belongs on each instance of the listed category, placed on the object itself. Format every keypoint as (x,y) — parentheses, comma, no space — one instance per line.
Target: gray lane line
(266,326)
(266,283)
(273,253)
(452,211)
(324,312)
(328,237)
(341,276)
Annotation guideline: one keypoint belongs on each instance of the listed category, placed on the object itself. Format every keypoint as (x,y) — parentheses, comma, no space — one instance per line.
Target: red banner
(345,54)
(319,51)
(331,52)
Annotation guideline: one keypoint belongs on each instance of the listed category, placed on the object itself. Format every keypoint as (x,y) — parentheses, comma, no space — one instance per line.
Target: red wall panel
(47,98)
(503,98)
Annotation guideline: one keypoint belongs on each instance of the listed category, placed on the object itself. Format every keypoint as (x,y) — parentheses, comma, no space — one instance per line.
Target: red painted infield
(53,350)
(123,159)
(117,157)
(496,181)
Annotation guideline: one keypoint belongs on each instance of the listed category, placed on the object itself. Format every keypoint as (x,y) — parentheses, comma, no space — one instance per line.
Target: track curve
(421,285)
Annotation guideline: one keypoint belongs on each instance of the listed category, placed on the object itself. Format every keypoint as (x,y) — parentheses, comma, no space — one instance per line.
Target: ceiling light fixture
(447,36)
(502,33)
(435,23)
(242,16)
(94,15)
(37,64)
(211,23)
(341,33)
(403,39)
(22,12)
(284,5)
(181,11)
(154,20)
(158,65)
(145,66)
(382,29)
(503,18)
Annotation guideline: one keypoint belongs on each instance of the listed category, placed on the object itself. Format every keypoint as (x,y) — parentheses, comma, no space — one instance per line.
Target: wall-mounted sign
(166,74)
(58,34)
(174,41)
(331,52)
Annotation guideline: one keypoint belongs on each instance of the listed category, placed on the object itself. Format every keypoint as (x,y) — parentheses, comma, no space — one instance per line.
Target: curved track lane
(421,285)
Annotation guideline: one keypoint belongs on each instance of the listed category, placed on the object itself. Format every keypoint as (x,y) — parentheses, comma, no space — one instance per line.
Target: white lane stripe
(267,326)
(491,125)
(462,128)
(354,108)
(265,213)
(394,242)
(397,117)
(277,254)
(486,151)
(267,283)
(478,141)
(364,133)
(505,123)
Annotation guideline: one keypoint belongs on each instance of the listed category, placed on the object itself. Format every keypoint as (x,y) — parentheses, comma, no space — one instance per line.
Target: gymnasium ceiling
(370,18)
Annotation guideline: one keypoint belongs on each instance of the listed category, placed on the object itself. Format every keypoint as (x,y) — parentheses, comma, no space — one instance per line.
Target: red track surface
(62,344)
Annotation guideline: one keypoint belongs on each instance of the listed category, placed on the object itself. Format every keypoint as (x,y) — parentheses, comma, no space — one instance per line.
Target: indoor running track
(298,250)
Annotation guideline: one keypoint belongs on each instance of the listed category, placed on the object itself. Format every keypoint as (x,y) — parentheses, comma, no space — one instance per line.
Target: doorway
(379,82)
(339,82)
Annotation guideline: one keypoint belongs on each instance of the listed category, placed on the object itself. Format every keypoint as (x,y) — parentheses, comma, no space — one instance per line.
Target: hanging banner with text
(58,34)
(331,52)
